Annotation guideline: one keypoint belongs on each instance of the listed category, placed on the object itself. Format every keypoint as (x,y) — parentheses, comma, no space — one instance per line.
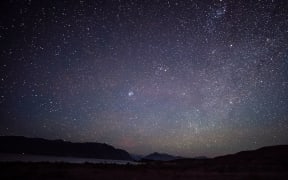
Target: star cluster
(182,77)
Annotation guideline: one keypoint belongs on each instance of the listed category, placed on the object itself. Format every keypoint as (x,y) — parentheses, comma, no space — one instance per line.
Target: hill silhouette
(264,163)
(38,146)
(160,157)
(271,158)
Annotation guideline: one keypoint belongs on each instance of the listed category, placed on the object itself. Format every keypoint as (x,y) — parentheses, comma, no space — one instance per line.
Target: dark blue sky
(182,77)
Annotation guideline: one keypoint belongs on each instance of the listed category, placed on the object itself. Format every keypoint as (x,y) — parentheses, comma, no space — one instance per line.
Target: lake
(9,157)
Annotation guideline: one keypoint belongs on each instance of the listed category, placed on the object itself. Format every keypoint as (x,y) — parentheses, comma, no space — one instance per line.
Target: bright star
(130,93)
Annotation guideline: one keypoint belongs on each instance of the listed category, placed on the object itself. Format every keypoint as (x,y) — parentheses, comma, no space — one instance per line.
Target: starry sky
(190,78)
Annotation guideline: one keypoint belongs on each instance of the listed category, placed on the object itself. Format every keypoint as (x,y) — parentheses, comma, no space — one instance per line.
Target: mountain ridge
(156,156)
(40,146)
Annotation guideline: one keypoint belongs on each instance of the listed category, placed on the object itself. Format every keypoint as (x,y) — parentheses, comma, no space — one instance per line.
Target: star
(179,74)
(130,93)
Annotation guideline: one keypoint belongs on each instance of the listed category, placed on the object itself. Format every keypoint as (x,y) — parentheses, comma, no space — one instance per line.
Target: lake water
(7,157)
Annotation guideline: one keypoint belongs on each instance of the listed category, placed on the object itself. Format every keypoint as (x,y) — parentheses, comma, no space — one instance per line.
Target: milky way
(182,77)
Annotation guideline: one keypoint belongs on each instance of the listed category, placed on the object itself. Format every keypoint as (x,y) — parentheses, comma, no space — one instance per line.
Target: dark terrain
(264,163)
(160,157)
(43,171)
(38,146)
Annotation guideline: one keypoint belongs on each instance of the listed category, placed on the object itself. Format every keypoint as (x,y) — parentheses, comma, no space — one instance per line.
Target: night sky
(189,78)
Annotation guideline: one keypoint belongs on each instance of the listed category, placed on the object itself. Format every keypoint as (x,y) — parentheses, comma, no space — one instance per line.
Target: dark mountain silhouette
(160,157)
(136,157)
(38,146)
(266,159)
(264,163)
(200,157)
(278,152)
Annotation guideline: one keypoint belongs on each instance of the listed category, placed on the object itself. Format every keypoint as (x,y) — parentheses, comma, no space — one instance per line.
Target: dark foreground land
(264,163)
(43,171)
